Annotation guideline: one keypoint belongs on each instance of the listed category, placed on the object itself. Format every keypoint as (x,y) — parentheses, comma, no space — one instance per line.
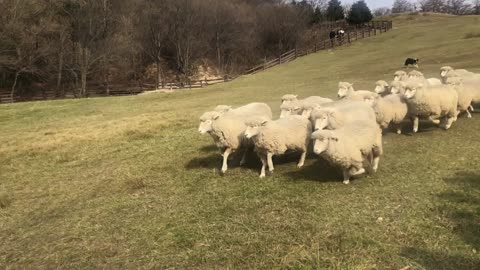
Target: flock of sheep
(346,132)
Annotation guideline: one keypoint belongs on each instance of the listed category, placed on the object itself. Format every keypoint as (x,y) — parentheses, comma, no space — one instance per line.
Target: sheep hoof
(436,122)
(242,162)
(447,127)
(346,182)
(399,131)
(262,175)
(415,130)
(469,116)
(299,166)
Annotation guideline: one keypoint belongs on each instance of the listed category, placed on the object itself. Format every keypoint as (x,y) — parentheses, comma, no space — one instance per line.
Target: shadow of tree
(459,210)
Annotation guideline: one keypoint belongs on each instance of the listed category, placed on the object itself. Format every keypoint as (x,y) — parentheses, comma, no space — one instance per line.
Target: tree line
(74,45)
(456,7)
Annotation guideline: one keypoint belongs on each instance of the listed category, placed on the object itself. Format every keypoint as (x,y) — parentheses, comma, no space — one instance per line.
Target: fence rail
(355,33)
(370,29)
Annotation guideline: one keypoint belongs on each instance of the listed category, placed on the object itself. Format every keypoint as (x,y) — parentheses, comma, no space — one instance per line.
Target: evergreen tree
(335,10)
(359,13)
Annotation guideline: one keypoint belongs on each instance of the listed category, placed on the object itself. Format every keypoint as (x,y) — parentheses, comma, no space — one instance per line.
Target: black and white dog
(412,61)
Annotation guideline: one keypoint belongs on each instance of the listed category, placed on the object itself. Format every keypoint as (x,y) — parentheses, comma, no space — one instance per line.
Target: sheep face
(321,122)
(307,113)
(399,75)
(252,131)
(381,87)
(290,110)
(411,90)
(343,89)
(415,74)
(444,71)
(205,126)
(288,98)
(321,140)
(396,87)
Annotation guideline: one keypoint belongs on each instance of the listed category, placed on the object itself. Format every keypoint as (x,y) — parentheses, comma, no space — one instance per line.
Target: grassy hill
(129,183)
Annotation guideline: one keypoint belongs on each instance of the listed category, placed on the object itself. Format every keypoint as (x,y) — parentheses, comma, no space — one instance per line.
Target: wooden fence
(370,29)
(352,34)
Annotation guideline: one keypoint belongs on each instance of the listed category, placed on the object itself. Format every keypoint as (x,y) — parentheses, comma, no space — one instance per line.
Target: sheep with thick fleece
(397,87)
(468,93)
(382,88)
(353,148)
(303,106)
(391,109)
(227,129)
(448,71)
(417,75)
(400,75)
(345,90)
(431,102)
(288,98)
(276,137)
(341,113)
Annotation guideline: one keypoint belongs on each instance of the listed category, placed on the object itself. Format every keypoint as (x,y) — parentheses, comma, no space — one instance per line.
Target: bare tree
(400,6)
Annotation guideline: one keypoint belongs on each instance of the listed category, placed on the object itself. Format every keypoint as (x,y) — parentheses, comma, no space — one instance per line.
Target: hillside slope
(129,183)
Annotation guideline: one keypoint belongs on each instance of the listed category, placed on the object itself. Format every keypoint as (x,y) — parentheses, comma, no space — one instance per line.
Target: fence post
(296,52)
(265,63)
(348,37)
(280,58)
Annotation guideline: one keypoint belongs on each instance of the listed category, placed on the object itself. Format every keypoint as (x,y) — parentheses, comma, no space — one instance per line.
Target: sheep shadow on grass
(319,171)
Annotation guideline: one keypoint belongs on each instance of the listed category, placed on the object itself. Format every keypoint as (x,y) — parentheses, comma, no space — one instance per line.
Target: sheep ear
(334,139)
(216,117)
(264,123)
(295,96)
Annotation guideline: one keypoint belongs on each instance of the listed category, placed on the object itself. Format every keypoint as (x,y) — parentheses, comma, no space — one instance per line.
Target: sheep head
(206,121)
(344,88)
(253,129)
(222,108)
(322,139)
(291,108)
(381,87)
(397,87)
(445,70)
(288,98)
(416,74)
(412,88)
(400,75)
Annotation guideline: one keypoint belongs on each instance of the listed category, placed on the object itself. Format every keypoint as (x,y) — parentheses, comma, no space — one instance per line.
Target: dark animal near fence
(412,62)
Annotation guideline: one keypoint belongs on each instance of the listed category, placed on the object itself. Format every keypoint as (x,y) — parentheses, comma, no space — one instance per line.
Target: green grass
(128,183)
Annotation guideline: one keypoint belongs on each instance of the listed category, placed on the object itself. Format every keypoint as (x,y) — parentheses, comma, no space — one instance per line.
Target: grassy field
(128,182)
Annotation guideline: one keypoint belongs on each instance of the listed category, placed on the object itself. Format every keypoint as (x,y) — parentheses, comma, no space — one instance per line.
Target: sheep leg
(376,160)
(471,108)
(415,124)
(264,164)
(399,128)
(435,121)
(450,120)
(469,115)
(270,162)
(227,152)
(346,177)
(302,159)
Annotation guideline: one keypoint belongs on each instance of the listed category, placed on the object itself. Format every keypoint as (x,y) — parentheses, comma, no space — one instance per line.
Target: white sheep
(400,75)
(352,148)
(341,113)
(391,109)
(397,87)
(431,102)
(345,90)
(448,71)
(222,108)
(276,137)
(303,106)
(382,88)
(227,129)
(468,93)
(288,98)
(417,75)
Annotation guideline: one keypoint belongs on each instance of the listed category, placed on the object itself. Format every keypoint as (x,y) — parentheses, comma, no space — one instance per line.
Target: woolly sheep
(468,93)
(345,90)
(341,113)
(222,108)
(302,107)
(400,75)
(415,74)
(382,88)
(431,102)
(289,98)
(352,148)
(227,129)
(397,87)
(276,137)
(391,109)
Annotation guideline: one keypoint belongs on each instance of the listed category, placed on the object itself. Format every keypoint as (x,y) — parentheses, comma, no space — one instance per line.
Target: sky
(373,4)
